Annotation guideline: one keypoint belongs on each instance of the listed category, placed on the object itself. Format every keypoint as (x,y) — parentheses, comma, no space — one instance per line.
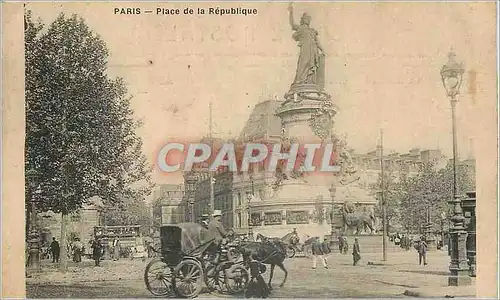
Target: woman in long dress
(356,252)
(311,64)
(116,249)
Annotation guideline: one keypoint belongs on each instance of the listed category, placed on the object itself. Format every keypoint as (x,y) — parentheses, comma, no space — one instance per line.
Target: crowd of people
(405,241)
(76,250)
(320,249)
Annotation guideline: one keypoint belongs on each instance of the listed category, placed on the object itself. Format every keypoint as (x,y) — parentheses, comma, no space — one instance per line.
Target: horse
(269,252)
(262,238)
(290,238)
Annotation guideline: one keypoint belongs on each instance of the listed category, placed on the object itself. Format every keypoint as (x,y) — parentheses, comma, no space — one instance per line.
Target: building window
(255,219)
(272,218)
(239,199)
(297,217)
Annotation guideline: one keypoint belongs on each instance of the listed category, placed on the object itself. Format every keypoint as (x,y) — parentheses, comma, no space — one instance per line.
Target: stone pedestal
(469,208)
(307,113)
(430,239)
(459,267)
(34,252)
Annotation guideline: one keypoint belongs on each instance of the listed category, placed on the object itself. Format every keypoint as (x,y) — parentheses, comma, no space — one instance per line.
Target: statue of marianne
(311,63)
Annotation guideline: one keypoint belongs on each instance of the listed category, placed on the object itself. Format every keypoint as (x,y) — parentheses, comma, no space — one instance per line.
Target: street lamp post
(33,236)
(212,191)
(428,232)
(333,190)
(443,220)
(249,209)
(191,209)
(451,75)
(250,198)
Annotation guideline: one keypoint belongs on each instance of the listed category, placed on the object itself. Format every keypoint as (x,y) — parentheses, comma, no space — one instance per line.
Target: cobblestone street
(124,278)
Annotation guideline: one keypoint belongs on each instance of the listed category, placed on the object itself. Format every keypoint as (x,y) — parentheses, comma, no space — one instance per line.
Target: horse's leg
(371,228)
(282,267)
(271,276)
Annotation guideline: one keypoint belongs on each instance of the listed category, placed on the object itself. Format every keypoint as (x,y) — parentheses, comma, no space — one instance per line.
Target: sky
(382,68)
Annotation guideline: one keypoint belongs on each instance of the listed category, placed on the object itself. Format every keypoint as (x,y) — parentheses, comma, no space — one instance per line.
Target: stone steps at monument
(367,243)
(373,244)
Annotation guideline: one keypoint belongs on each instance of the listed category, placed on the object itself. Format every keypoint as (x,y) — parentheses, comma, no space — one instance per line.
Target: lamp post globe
(452,77)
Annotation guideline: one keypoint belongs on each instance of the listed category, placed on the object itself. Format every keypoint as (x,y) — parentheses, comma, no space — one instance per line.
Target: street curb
(437,293)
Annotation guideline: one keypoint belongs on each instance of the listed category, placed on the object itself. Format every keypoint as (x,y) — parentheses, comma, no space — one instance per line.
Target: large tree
(426,194)
(80,130)
(414,198)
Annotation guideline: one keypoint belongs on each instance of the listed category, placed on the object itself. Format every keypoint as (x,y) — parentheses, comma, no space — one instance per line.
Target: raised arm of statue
(290,17)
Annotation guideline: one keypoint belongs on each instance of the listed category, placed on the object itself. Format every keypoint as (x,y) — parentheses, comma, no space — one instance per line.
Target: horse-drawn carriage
(186,263)
(294,246)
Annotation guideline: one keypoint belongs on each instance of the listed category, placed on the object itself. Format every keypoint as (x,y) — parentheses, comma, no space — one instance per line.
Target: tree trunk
(28,222)
(63,265)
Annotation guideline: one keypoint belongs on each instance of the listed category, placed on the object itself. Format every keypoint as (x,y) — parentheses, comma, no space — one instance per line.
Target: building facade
(168,199)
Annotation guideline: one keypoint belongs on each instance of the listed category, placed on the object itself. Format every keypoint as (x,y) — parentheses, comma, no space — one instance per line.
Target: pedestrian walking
(325,246)
(356,256)
(346,244)
(55,250)
(96,251)
(116,249)
(318,252)
(77,250)
(422,251)
(150,248)
(341,244)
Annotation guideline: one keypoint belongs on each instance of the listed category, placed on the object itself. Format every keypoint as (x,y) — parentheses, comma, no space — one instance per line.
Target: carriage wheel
(158,278)
(188,278)
(290,252)
(236,279)
(216,280)
(213,279)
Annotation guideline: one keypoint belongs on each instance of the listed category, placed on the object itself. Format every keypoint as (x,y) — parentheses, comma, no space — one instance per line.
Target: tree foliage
(80,129)
(130,211)
(391,197)
(413,198)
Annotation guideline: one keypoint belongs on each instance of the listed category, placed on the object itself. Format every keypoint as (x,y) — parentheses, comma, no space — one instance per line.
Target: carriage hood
(190,235)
